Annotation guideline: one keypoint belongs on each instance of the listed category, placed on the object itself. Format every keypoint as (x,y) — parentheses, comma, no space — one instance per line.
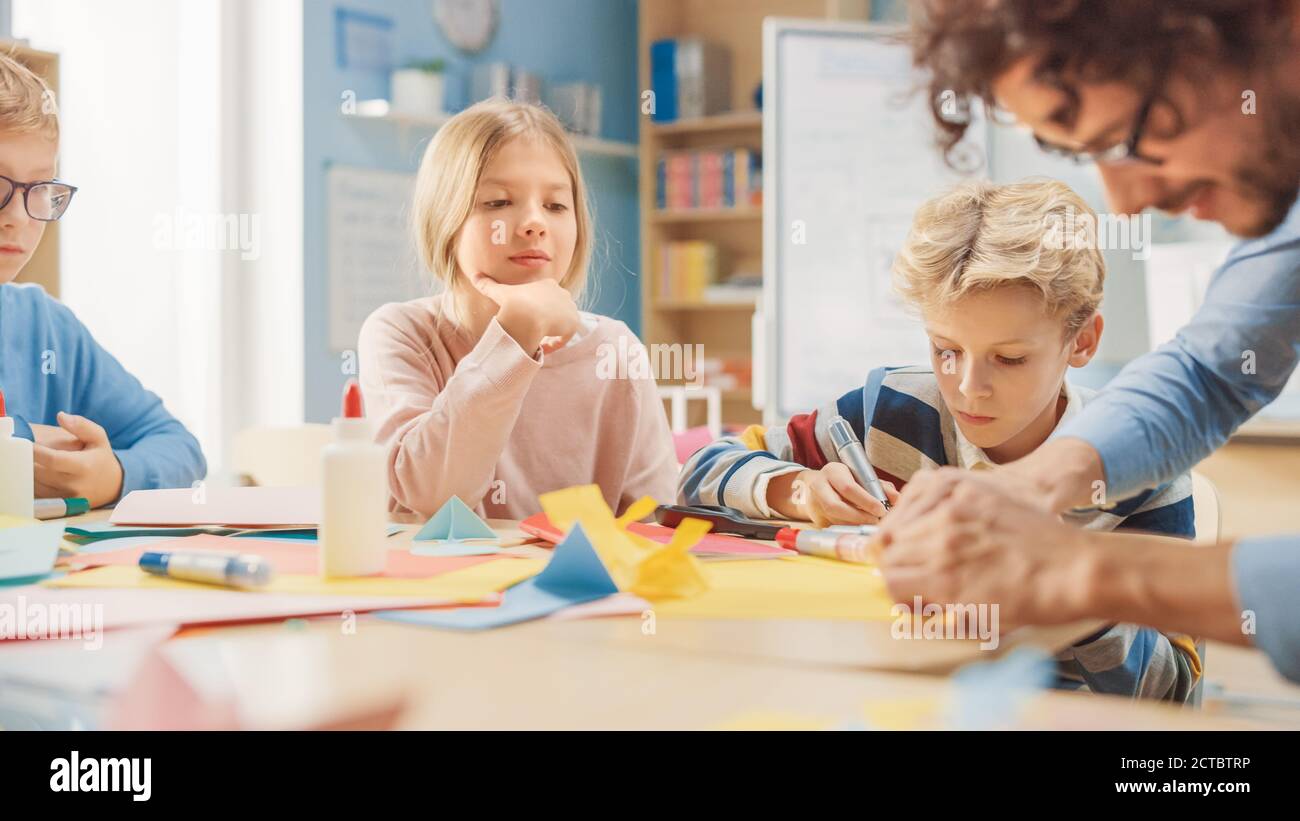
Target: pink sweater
(486,422)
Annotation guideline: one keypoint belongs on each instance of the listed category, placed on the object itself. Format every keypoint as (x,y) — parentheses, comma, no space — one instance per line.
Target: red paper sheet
(540,526)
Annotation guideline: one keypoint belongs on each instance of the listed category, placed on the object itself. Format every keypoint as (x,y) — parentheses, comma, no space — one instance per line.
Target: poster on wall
(371,257)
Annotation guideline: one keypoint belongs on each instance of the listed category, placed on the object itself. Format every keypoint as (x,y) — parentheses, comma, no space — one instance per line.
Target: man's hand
(91,472)
(538,315)
(1062,474)
(830,496)
(976,544)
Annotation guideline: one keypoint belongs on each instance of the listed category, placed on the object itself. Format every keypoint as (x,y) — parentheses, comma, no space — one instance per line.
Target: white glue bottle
(17,481)
(354,509)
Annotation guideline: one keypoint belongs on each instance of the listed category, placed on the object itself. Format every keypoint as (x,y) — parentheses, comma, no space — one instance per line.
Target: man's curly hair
(964,45)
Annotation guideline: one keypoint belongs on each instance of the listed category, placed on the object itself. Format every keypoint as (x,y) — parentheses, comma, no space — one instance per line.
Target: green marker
(59,508)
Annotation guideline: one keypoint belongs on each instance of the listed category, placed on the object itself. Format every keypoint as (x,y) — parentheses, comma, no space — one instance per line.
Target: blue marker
(208,566)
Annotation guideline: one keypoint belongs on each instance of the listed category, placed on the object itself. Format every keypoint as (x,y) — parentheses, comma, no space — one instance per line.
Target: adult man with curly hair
(1184,105)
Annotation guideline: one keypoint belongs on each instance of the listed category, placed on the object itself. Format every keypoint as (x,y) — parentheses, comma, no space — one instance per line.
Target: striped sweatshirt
(902,420)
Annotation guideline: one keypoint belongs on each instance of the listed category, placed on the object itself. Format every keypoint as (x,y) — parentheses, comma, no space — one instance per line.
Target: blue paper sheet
(27,553)
(573,576)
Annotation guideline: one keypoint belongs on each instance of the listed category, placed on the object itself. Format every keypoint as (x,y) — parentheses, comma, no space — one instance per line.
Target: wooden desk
(608,673)
(599,674)
(1259,487)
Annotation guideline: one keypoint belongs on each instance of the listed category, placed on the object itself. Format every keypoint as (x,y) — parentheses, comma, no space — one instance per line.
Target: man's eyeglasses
(1125,151)
(45,200)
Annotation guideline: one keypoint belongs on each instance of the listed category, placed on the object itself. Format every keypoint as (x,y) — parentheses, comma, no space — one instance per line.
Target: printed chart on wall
(852,154)
(371,257)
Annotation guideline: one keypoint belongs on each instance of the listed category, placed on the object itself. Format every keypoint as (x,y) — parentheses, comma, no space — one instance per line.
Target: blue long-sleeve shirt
(1171,408)
(49,362)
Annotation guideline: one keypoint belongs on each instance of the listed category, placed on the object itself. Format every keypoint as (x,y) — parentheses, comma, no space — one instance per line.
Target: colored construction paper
(73,551)
(467,585)
(245,506)
(101,531)
(919,713)
(90,532)
(803,587)
(620,604)
(447,549)
(286,556)
(712,545)
(78,668)
(775,721)
(672,572)
(574,575)
(28,548)
(200,604)
(454,521)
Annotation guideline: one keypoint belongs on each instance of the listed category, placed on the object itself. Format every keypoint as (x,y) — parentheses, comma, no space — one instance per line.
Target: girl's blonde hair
(449,176)
(979,235)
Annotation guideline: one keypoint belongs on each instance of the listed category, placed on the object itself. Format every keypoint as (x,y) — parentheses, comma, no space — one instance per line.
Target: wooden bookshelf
(43,268)
(723,328)
(740,214)
(427,124)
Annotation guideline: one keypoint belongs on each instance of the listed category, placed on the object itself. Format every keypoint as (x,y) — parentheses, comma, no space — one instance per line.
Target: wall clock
(468,24)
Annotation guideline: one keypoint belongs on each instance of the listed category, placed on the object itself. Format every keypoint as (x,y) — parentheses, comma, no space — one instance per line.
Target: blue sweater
(49,362)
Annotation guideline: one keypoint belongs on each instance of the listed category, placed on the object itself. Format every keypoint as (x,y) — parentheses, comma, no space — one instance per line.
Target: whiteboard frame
(767,337)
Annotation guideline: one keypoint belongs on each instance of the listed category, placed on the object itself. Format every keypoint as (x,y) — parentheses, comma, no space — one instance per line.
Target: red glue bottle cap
(352,408)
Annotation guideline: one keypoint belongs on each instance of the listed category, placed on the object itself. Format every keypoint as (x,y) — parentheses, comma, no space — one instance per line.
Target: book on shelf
(690,78)
(687,268)
(709,178)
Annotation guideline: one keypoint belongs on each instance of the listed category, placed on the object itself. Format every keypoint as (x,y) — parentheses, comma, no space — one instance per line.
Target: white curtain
(182,251)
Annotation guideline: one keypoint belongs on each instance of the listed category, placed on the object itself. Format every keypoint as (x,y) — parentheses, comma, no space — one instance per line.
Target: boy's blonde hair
(449,176)
(979,235)
(27,105)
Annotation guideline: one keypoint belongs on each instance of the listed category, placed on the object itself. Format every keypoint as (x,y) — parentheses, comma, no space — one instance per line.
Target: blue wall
(590,40)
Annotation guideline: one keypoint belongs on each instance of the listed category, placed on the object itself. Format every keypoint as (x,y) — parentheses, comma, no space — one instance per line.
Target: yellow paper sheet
(803,587)
(775,721)
(468,585)
(924,713)
(585,504)
(8,520)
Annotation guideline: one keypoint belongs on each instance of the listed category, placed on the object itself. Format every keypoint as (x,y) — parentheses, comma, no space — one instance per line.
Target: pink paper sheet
(286,556)
(238,506)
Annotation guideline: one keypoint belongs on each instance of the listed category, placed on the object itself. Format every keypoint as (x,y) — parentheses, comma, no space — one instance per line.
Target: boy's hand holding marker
(830,496)
(841,493)
(538,315)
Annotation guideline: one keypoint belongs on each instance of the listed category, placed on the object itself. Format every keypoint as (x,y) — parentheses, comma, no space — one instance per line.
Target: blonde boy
(1009,304)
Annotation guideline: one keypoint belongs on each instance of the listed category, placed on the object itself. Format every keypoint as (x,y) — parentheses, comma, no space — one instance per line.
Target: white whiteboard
(849,154)
(372,258)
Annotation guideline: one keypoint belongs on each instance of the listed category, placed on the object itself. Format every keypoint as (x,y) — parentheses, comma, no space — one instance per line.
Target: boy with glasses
(97,433)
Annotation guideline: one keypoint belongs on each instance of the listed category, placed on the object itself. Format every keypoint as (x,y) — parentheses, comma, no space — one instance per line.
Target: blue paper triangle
(454,521)
(576,570)
(574,575)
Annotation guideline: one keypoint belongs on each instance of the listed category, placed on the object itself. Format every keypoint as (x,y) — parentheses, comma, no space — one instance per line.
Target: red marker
(2,404)
(847,547)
